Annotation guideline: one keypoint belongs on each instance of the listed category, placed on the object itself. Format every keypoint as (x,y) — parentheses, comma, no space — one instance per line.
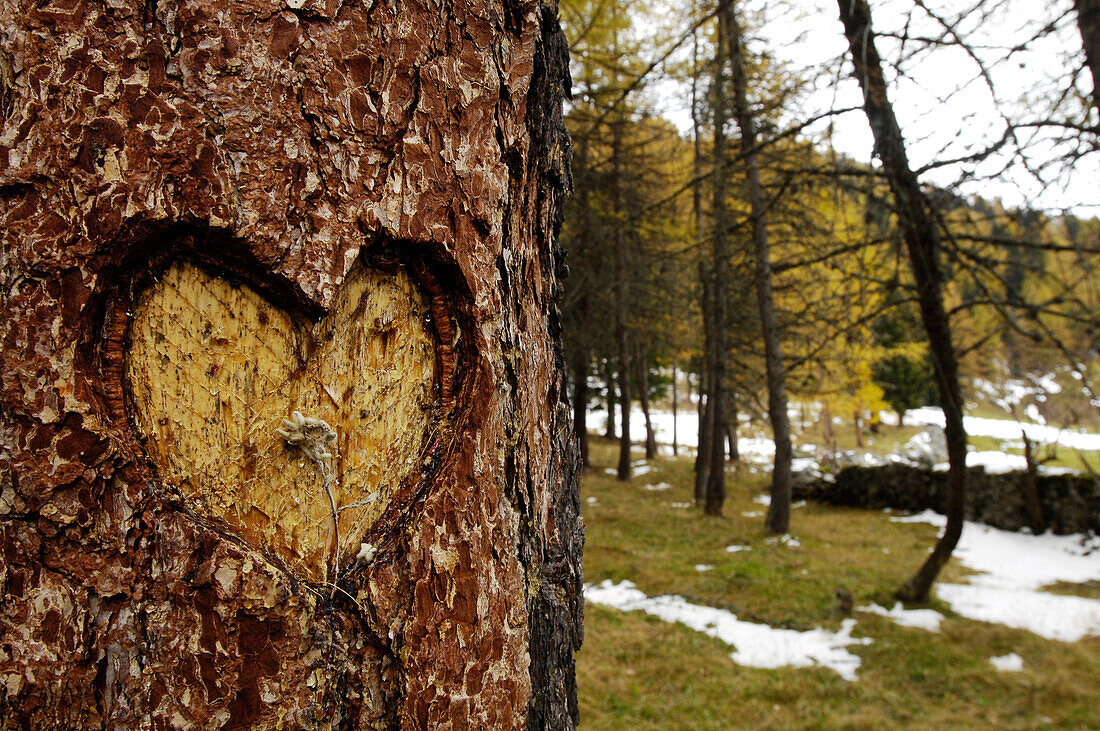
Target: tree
(214,218)
(922,240)
(779,511)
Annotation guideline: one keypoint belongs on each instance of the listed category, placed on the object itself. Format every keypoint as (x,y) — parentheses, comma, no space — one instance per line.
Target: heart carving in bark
(215,368)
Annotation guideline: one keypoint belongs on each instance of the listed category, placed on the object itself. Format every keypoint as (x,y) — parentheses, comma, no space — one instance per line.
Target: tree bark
(611,399)
(1030,486)
(580,408)
(676,412)
(642,369)
(622,294)
(719,337)
(155,155)
(703,439)
(779,512)
(922,243)
(1088,23)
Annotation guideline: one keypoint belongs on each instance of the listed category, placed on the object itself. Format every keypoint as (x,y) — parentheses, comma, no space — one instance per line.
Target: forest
(544,364)
(794,224)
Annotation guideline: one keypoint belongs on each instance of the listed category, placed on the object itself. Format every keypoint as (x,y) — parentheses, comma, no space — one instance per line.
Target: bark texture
(779,511)
(278,147)
(1088,23)
(922,242)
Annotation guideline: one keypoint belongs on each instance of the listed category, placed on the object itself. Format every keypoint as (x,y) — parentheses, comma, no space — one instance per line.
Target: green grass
(635,671)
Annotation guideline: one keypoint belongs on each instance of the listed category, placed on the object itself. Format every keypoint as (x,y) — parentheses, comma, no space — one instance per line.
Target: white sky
(944,106)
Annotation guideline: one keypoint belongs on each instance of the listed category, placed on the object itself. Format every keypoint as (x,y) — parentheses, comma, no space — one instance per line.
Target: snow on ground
(1013,567)
(1005,429)
(1010,663)
(761,451)
(659,486)
(928,619)
(998,463)
(757,645)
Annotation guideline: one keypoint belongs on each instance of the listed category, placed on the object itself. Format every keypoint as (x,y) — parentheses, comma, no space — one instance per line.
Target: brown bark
(1088,23)
(1030,486)
(779,512)
(703,439)
(277,149)
(580,408)
(642,369)
(922,242)
(716,324)
(622,295)
(676,412)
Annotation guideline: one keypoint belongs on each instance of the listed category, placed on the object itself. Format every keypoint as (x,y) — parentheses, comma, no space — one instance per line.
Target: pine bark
(779,511)
(622,298)
(278,147)
(922,242)
(642,369)
(580,408)
(1088,23)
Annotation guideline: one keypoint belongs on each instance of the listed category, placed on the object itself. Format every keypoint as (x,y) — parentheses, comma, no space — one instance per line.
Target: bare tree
(922,240)
(779,511)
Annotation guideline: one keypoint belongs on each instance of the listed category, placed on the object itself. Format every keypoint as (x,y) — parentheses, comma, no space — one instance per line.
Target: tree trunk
(702,451)
(1032,501)
(642,369)
(622,294)
(779,512)
(580,408)
(675,411)
(610,431)
(213,217)
(731,431)
(716,480)
(1088,23)
(922,242)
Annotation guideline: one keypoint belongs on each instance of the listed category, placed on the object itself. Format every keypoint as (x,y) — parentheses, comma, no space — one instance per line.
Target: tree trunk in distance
(622,341)
(642,369)
(1088,23)
(779,511)
(923,243)
(702,451)
(735,455)
(612,399)
(675,412)
(1031,488)
(172,154)
(716,479)
(580,408)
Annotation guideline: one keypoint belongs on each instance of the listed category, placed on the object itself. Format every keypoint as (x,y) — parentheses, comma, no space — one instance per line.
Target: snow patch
(757,645)
(928,619)
(1010,663)
(1014,567)
(659,486)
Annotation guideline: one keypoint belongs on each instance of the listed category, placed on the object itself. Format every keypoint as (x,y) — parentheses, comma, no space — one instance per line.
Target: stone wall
(1071,503)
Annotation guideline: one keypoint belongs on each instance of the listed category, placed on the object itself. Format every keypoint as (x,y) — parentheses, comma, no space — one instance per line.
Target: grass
(636,672)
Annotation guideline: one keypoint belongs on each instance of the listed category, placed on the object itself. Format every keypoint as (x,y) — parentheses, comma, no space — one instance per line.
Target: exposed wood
(213,370)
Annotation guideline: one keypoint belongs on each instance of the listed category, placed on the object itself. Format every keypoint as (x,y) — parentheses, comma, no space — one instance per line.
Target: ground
(637,671)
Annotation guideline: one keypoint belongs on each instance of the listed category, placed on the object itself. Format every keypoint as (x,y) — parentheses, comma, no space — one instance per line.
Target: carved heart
(214,369)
